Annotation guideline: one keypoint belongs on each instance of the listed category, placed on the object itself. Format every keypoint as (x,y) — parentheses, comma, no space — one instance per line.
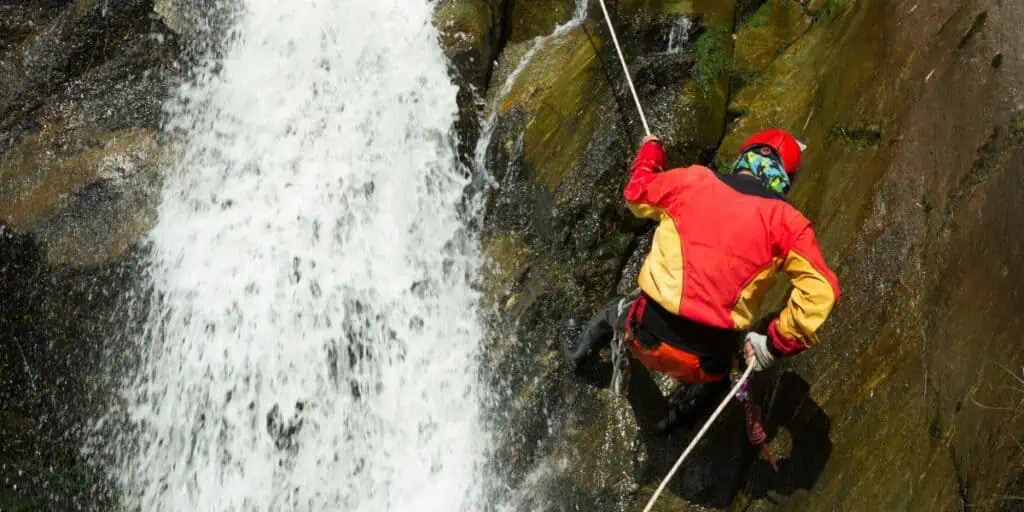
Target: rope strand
(625,68)
(750,369)
(700,434)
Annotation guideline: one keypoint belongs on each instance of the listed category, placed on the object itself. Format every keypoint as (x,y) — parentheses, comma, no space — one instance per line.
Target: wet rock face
(471,34)
(80,103)
(888,190)
(914,123)
(532,19)
(196,21)
(59,326)
(81,88)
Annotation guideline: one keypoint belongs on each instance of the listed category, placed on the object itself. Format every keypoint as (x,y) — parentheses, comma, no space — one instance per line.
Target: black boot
(581,347)
(690,402)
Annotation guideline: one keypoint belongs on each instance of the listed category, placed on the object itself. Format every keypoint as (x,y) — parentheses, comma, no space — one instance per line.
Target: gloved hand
(757,353)
(650,138)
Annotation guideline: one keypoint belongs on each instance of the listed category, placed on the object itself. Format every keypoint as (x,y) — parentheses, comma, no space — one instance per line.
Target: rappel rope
(735,389)
(620,360)
(625,68)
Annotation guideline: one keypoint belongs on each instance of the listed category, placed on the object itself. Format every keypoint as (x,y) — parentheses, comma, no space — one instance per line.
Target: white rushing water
(679,36)
(313,339)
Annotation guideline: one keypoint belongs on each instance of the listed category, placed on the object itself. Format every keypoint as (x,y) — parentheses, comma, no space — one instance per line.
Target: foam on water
(312,340)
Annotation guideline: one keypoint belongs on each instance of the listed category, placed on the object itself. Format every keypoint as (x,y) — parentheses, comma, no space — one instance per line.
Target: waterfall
(679,36)
(312,336)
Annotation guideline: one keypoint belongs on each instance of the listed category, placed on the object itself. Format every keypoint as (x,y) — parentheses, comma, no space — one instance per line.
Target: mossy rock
(783,95)
(81,128)
(766,33)
(711,72)
(697,118)
(86,207)
(715,13)
(827,10)
(535,18)
(814,89)
(10,502)
(557,89)
(196,21)
(82,97)
(564,92)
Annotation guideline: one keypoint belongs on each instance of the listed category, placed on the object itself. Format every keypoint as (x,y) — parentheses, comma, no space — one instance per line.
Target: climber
(719,243)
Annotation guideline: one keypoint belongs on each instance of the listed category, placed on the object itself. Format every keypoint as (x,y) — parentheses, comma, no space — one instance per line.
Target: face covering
(766,168)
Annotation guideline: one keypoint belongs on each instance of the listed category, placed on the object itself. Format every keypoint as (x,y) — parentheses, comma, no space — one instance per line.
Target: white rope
(622,59)
(700,434)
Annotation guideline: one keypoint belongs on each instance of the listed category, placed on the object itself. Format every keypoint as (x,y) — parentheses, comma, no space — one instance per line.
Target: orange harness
(676,363)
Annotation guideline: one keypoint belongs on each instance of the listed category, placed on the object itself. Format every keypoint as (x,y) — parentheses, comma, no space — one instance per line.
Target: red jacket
(719,245)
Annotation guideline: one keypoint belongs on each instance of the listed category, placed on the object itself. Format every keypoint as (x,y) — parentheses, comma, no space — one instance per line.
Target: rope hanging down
(750,369)
(625,68)
(743,379)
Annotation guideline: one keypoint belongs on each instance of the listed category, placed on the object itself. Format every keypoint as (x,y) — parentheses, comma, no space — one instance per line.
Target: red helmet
(788,148)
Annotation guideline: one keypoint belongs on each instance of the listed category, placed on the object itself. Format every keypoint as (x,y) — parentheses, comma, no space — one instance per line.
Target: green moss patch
(831,10)
(857,137)
(713,59)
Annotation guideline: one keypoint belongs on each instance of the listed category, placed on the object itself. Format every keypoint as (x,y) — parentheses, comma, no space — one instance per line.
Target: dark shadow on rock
(792,410)
(646,400)
(56,327)
(563,494)
(724,462)
(710,477)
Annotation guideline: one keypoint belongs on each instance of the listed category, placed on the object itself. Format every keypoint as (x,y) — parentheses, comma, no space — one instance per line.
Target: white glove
(757,353)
